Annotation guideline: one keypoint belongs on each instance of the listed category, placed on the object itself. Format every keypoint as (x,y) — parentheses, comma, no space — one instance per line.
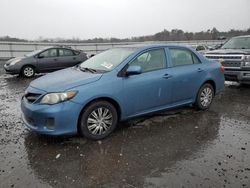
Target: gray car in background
(44,60)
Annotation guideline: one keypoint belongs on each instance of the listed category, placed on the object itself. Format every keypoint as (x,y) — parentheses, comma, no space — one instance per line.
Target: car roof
(148,46)
(59,46)
(64,47)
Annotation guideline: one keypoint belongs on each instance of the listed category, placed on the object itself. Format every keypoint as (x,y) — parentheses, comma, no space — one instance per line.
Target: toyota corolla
(118,84)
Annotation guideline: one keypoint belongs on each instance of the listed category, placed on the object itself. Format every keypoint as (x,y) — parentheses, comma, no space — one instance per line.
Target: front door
(150,89)
(47,60)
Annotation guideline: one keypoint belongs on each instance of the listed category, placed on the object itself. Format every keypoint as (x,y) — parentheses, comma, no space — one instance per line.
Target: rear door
(188,73)
(67,58)
(47,60)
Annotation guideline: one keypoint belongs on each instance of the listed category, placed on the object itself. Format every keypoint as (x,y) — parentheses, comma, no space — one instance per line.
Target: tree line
(165,35)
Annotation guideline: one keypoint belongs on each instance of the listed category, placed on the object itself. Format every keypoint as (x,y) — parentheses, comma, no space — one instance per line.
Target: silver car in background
(44,60)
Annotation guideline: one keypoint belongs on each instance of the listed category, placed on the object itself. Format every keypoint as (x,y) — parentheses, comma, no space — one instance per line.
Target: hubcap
(206,97)
(99,121)
(28,71)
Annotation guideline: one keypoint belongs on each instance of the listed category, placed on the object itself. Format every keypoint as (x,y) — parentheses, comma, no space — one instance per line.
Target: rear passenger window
(195,59)
(182,57)
(65,52)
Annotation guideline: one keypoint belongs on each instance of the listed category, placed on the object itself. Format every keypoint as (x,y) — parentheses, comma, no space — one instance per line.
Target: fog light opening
(50,123)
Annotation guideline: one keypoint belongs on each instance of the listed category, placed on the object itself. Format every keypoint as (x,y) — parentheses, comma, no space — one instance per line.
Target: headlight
(14,62)
(54,98)
(247,61)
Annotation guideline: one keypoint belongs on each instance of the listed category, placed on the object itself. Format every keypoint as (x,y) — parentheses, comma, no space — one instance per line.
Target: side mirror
(133,70)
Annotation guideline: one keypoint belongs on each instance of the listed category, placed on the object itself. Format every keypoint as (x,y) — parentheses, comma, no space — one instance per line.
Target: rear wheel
(205,97)
(98,120)
(28,71)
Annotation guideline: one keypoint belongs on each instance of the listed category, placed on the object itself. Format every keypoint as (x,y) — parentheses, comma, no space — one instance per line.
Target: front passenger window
(151,60)
(49,53)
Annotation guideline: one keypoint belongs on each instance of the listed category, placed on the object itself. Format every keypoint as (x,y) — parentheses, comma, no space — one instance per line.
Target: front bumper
(58,119)
(11,69)
(237,75)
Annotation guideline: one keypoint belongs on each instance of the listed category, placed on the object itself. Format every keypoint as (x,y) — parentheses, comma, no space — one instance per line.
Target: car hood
(64,80)
(230,51)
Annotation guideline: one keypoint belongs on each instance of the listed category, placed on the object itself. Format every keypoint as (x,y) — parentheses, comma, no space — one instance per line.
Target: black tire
(87,125)
(28,71)
(204,101)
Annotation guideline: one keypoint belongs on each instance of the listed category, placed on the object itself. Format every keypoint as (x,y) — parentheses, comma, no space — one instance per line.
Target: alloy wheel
(99,121)
(206,96)
(28,71)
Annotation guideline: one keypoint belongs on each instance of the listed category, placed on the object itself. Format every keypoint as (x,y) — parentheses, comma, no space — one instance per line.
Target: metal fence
(15,49)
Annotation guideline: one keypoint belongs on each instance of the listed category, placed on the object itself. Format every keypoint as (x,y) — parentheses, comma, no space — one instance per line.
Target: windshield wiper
(84,69)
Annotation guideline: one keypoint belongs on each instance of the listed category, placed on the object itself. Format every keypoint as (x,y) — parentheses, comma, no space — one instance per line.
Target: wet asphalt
(178,148)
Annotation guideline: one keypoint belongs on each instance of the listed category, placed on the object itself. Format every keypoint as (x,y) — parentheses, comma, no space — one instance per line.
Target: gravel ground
(179,148)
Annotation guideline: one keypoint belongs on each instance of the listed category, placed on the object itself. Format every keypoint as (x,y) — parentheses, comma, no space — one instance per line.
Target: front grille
(231,64)
(226,57)
(230,61)
(32,97)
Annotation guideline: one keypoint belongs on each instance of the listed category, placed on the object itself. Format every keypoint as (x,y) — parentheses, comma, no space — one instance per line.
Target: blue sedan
(119,84)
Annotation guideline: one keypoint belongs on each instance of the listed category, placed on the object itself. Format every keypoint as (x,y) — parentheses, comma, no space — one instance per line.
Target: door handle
(55,59)
(167,76)
(200,70)
(74,58)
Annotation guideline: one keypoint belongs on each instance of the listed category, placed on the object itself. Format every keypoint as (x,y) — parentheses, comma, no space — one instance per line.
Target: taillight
(222,68)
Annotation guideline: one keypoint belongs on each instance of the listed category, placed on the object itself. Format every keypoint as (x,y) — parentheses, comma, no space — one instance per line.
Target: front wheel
(205,97)
(98,120)
(28,71)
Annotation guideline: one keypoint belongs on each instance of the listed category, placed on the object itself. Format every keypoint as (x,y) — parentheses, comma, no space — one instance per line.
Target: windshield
(32,53)
(107,60)
(237,43)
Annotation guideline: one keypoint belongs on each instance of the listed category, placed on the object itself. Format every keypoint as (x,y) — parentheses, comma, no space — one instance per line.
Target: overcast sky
(85,19)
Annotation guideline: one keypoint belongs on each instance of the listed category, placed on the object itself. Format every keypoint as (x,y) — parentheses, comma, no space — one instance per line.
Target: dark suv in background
(44,60)
(234,55)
